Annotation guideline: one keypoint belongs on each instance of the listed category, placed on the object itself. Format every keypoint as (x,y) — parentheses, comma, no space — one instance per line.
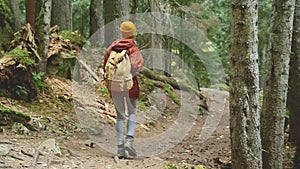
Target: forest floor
(207,143)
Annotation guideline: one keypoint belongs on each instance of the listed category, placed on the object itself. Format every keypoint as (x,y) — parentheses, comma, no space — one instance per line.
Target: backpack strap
(123,52)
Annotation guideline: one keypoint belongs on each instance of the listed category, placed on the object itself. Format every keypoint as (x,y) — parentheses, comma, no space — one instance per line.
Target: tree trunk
(294,86)
(134,7)
(113,11)
(62,14)
(30,12)
(17,14)
(96,23)
(158,58)
(244,86)
(275,90)
(6,25)
(43,33)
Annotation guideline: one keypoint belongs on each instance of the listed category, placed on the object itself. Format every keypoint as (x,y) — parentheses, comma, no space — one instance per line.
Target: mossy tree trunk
(244,86)
(276,84)
(294,86)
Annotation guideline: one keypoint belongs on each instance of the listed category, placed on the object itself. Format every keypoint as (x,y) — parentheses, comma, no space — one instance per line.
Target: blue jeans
(121,103)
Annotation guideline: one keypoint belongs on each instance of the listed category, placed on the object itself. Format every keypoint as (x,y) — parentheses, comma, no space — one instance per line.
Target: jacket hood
(122,44)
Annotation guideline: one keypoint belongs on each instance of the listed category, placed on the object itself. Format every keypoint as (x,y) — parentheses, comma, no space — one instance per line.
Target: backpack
(118,75)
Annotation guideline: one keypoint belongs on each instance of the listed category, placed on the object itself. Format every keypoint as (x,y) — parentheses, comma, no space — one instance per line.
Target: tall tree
(31,12)
(114,9)
(244,86)
(159,61)
(6,24)
(96,22)
(43,27)
(276,84)
(81,15)
(17,14)
(294,86)
(96,16)
(62,14)
(134,7)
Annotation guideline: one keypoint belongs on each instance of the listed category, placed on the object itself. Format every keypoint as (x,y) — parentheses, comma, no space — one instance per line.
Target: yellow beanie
(127,29)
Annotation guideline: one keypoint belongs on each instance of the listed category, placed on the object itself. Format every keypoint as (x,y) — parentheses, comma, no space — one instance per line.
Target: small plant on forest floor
(143,106)
(103,90)
(38,81)
(22,90)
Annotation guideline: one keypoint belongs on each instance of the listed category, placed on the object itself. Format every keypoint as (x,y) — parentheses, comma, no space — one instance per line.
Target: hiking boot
(129,146)
(121,152)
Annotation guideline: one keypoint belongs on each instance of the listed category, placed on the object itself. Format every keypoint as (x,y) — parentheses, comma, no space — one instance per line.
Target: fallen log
(9,117)
(150,79)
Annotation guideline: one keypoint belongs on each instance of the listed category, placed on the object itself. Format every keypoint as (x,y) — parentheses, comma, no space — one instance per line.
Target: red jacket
(136,60)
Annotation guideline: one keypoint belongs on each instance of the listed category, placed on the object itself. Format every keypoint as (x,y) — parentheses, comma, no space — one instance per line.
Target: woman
(126,99)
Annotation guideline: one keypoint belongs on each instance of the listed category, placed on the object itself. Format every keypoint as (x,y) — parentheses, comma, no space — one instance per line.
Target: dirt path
(206,143)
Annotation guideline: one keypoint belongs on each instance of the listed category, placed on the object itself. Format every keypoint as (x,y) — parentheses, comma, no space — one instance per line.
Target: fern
(38,81)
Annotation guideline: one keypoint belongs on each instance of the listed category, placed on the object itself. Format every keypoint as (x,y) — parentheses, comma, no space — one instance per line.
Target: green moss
(143,106)
(170,166)
(74,37)
(172,95)
(147,85)
(22,56)
(151,74)
(9,116)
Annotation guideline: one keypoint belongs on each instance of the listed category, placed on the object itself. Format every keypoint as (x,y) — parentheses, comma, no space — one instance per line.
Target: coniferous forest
(219,88)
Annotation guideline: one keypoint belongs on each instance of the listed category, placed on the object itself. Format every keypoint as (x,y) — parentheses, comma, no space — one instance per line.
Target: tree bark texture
(96,23)
(6,25)
(31,12)
(276,84)
(159,61)
(294,86)
(17,14)
(244,86)
(42,31)
(114,10)
(62,14)
(45,44)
